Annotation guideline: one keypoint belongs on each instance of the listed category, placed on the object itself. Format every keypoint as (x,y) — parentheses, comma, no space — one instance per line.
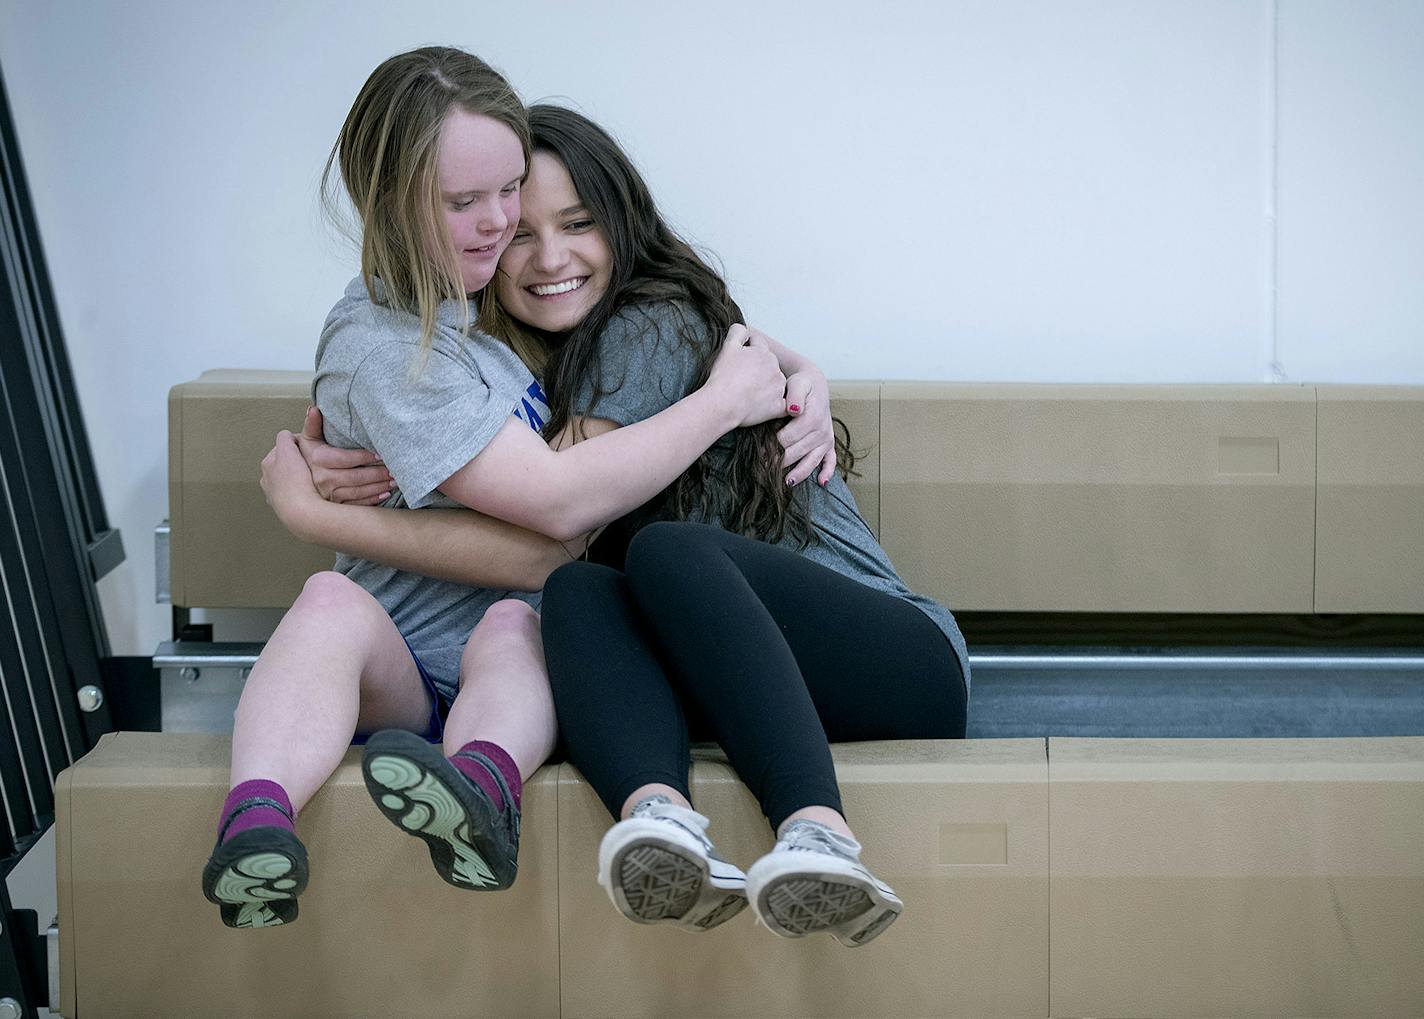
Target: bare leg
(335,661)
(504,688)
(652,789)
(462,809)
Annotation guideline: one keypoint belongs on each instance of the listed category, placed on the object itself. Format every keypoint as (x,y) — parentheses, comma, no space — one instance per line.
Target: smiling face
(478,166)
(558,264)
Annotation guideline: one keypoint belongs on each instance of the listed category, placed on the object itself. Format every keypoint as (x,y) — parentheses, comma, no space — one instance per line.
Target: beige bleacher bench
(1041,877)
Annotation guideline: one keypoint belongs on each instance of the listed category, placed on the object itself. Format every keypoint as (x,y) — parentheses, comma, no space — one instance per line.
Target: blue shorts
(439,706)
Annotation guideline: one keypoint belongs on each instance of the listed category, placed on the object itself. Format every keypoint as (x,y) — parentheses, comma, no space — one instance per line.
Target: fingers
(313,426)
(820,463)
(361,494)
(806,445)
(798,393)
(355,478)
(795,430)
(806,466)
(319,454)
(736,336)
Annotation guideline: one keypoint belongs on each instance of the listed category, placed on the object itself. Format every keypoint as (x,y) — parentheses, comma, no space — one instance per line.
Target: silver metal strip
(162,565)
(240,656)
(52,957)
(245,655)
(1129,659)
(213,656)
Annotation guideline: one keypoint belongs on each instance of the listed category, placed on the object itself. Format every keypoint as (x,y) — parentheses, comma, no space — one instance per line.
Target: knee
(507,634)
(575,582)
(670,549)
(509,618)
(663,545)
(508,625)
(330,591)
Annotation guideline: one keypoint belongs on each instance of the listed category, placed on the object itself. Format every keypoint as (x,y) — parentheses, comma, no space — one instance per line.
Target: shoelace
(647,804)
(649,808)
(808,836)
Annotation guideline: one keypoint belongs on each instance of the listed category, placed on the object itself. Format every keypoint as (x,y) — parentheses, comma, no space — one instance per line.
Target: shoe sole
(652,879)
(851,906)
(423,794)
(255,878)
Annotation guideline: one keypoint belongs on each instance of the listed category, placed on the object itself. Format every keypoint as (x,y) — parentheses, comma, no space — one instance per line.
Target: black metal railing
(55,543)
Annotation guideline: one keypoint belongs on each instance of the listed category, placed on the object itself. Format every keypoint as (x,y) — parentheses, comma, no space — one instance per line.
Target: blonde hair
(386,153)
(525,341)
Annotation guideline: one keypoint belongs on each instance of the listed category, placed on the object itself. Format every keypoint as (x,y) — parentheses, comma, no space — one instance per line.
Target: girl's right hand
(287,486)
(748,379)
(343,475)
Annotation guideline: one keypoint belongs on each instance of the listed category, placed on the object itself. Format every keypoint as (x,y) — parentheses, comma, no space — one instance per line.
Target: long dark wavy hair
(746,491)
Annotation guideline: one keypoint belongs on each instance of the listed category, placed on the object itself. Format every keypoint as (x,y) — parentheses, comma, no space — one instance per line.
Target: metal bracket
(200,683)
(52,943)
(184,628)
(187,631)
(106,551)
(162,564)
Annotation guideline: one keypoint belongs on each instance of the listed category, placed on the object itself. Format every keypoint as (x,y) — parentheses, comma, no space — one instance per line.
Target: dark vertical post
(55,543)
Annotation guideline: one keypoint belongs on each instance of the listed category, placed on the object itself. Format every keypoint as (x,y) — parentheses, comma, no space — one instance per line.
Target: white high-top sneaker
(813,881)
(659,866)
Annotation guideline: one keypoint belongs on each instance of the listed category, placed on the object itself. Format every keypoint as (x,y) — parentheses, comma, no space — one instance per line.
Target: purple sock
(255,817)
(479,774)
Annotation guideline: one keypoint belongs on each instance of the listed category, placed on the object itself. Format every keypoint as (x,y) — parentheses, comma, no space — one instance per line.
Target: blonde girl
(432,156)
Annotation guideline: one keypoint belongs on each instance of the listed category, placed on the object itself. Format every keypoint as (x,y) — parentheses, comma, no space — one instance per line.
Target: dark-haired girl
(758,613)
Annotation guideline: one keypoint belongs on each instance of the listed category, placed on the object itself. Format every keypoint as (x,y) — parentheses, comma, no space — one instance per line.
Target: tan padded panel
(1237,877)
(226,548)
(858,405)
(957,828)
(64,889)
(1370,522)
(1101,498)
(379,934)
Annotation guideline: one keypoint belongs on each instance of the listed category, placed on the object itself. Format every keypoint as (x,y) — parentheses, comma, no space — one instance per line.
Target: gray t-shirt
(645,367)
(426,422)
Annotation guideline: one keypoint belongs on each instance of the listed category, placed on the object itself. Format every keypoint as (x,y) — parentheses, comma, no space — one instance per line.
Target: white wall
(1000,191)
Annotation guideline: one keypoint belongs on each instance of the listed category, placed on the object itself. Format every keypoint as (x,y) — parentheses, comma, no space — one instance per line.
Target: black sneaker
(256,876)
(473,843)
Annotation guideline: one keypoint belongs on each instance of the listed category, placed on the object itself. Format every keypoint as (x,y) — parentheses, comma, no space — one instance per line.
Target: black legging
(770,654)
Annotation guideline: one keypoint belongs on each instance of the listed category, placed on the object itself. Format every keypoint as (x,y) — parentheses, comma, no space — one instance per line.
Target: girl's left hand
(809,439)
(354,476)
